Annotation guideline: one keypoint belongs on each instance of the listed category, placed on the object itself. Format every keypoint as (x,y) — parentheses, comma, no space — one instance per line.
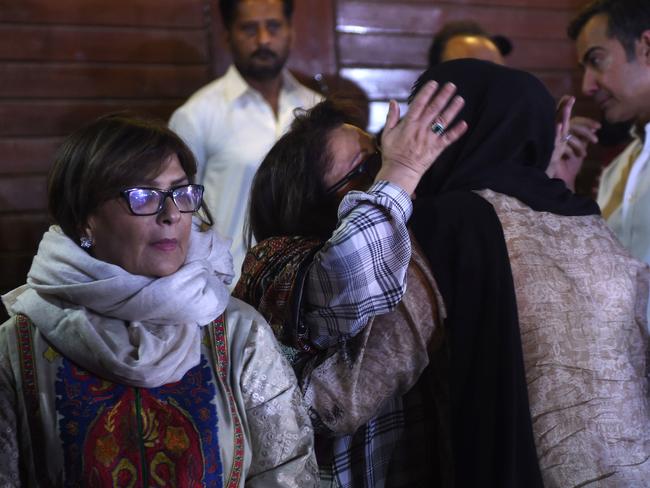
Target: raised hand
(410,146)
(572,139)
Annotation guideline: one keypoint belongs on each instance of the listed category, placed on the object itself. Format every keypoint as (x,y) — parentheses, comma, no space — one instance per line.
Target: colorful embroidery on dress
(29,386)
(26,351)
(218,330)
(115,435)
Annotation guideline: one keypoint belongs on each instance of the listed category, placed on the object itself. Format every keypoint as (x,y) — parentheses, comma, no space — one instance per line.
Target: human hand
(410,146)
(572,138)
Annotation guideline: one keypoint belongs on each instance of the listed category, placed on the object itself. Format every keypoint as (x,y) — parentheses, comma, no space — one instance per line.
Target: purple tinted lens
(188,198)
(144,201)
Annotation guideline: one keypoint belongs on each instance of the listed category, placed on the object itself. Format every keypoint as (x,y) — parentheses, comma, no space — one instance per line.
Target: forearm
(361,271)
(348,386)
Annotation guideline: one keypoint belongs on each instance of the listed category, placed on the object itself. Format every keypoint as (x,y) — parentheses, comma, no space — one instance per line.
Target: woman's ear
(86,234)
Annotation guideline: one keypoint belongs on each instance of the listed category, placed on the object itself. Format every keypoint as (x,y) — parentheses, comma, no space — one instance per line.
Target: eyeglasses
(150,201)
(369,166)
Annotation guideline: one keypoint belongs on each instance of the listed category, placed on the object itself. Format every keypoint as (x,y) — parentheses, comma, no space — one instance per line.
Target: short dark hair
(105,156)
(462,28)
(288,194)
(228,9)
(626,21)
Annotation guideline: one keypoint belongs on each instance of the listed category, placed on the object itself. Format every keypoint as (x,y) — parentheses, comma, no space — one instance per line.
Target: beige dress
(263,434)
(582,304)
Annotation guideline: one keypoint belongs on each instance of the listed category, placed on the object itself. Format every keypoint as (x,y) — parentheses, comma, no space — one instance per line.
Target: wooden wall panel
(138,13)
(426,18)
(550,4)
(383,44)
(115,44)
(59,117)
(25,80)
(15,231)
(27,155)
(383,84)
(23,193)
(411,51)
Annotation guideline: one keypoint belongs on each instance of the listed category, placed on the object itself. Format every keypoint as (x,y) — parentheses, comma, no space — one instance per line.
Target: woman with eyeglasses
(125,362)
(329,273)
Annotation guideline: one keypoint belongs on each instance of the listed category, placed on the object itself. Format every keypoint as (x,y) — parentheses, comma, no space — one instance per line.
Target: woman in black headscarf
(546,340)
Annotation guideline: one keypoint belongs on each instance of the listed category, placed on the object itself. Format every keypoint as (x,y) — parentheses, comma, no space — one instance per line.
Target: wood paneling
(118,45)
(550,4)
(383,44)
(59,117)
(137,13)
(383,84)
(25,80)
(426,18)
(17,230)
(27,155)
(411,51)
(23,193)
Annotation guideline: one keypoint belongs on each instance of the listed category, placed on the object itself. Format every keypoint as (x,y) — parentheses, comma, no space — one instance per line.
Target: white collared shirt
(230,127)
(631,220)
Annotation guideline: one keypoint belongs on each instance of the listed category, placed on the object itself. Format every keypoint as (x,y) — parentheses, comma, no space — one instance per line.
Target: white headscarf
(127,328)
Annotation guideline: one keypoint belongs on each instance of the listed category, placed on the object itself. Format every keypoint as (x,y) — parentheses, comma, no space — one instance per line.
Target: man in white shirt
(613,45)
(231,123)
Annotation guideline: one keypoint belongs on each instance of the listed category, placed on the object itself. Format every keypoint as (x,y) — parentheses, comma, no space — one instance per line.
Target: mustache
(264,52)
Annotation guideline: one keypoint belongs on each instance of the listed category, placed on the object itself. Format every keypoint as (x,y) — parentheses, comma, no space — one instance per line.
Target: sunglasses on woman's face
(151,201)
(369,166)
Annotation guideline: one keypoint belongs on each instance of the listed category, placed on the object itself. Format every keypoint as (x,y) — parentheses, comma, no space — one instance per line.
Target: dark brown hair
(288,193)
(626,21)
(98,160)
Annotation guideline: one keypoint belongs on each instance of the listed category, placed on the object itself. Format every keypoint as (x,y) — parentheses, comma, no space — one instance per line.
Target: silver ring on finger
(567,138)
(438,128)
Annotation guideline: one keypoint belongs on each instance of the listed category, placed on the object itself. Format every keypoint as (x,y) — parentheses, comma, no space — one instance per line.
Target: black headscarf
(507,148)
(508,145)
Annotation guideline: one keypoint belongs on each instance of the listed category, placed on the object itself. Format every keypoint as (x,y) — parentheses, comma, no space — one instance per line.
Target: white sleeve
(186,124)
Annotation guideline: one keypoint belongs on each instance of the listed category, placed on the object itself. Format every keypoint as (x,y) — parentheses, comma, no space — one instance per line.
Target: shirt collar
(647,131)
(236,86)
(644,141)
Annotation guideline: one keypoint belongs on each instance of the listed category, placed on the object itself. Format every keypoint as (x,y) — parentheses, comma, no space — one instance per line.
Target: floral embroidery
(115,435)
(218,329)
